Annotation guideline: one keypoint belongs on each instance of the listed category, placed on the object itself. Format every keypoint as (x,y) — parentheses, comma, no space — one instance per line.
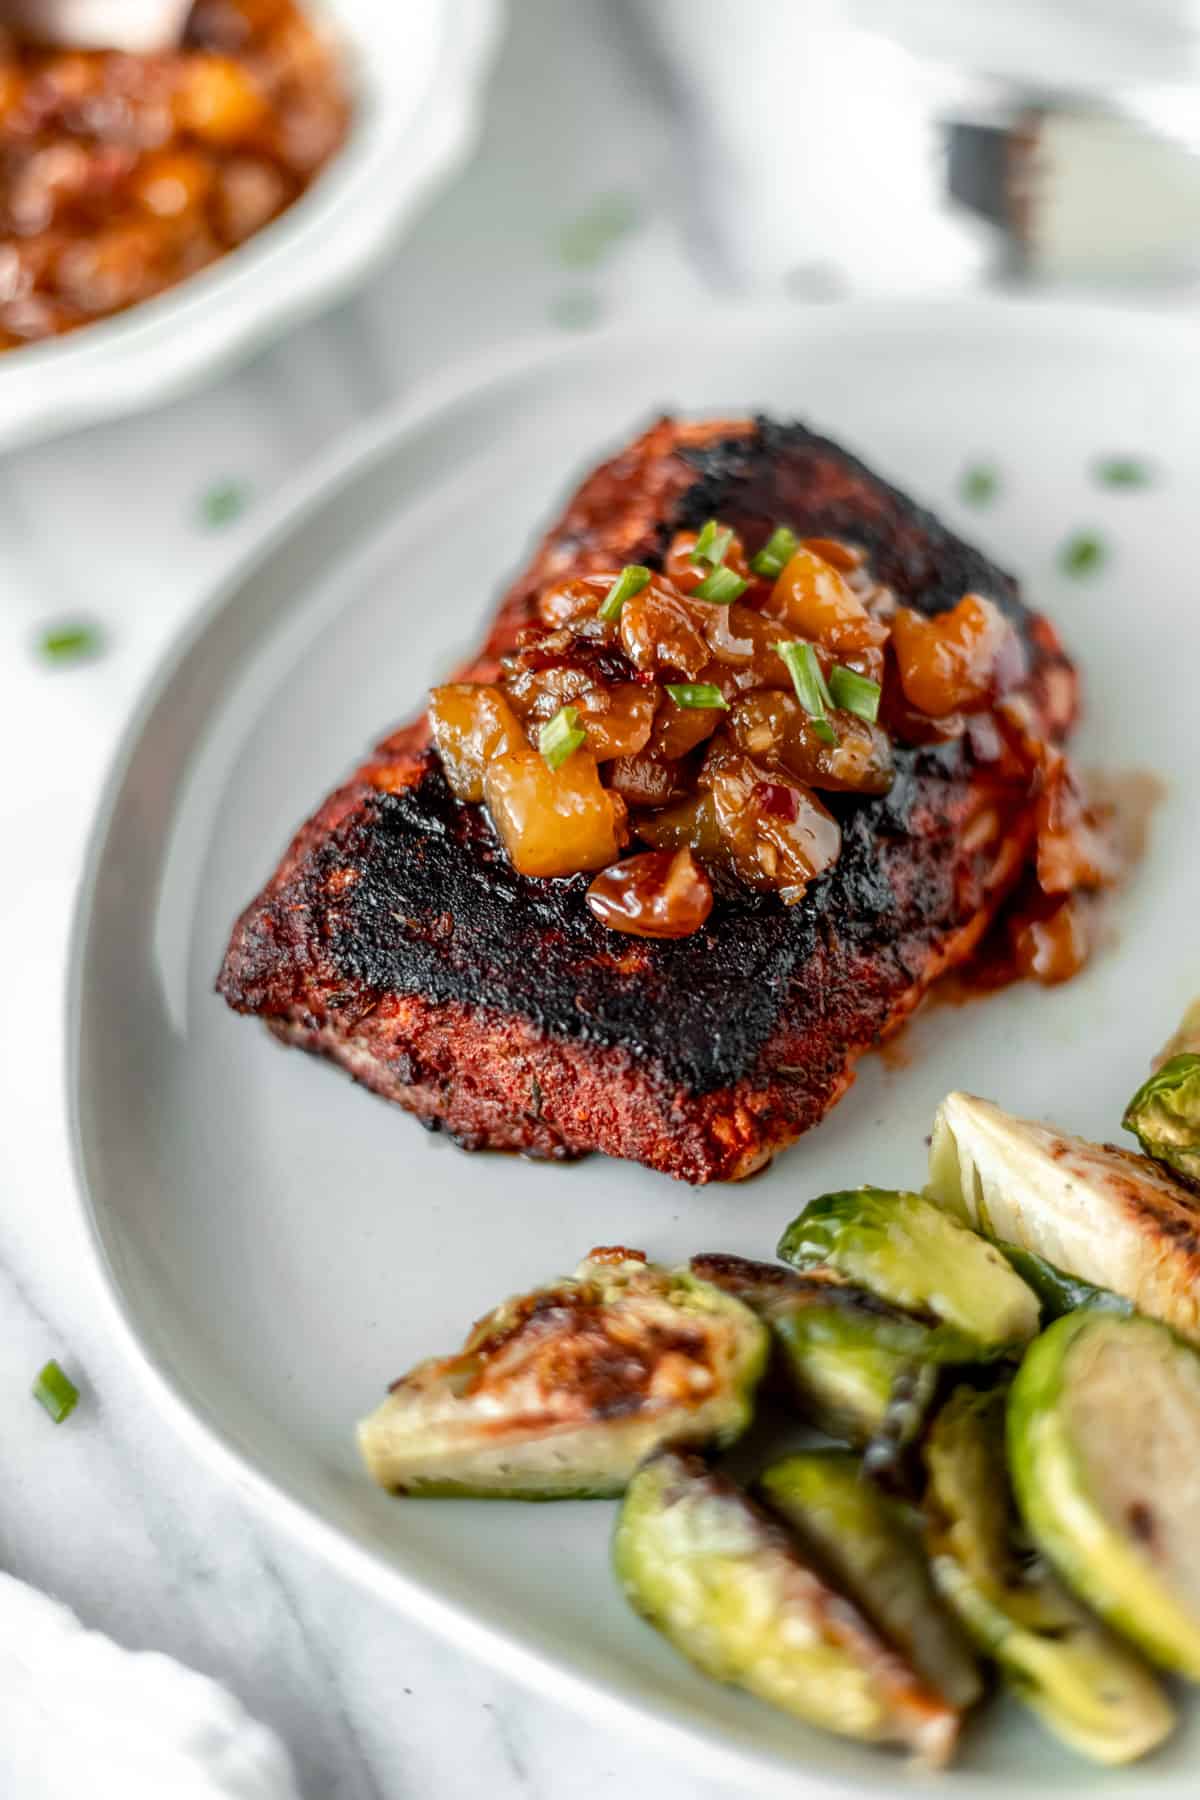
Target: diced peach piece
(471,724)
(955,660)
(553,821)
(816,602)
(217,99)
(169,183)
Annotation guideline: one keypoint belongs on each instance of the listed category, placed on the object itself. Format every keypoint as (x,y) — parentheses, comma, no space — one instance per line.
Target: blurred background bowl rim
(370,192)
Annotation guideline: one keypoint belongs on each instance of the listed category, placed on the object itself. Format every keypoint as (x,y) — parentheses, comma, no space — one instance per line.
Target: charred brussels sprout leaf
(886,1453)
(1103,1430)
(730,1590)
(1058,1292)
(561,1392)
(1105,1216)
(855,1367)
(1083,1683)
(762,1285)
(863,1541)
(909,1252)
(1164,1116)
(851,1361)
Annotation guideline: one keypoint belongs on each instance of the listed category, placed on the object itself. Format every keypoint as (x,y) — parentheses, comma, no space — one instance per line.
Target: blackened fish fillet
(396,939)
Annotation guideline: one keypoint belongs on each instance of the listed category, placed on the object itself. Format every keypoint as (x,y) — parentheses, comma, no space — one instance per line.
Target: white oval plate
(416,71)
(279,1244)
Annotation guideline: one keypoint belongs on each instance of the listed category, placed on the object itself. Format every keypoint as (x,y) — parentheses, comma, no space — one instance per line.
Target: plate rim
(705,1749)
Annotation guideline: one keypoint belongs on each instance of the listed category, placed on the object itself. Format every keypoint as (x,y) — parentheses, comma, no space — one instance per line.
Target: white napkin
(82,1716)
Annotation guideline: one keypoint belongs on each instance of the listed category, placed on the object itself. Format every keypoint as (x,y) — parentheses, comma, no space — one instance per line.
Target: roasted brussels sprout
(1085,1685)
(851,1361)
(730,1590)
(863,1541)
(1164,1115)
(910,1253)
(1059,1293)
(762,1285)
(561,1392)
(857,1368)
(1103,1434)
(1106,1216)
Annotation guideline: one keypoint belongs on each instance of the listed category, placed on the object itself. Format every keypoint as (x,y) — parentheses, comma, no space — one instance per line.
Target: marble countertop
(612,181)
(578,206)
(609,183)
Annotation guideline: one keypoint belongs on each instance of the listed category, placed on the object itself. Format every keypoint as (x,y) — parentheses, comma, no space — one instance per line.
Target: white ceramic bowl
(417,71)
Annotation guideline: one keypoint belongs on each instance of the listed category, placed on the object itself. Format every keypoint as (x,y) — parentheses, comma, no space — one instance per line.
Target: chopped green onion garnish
(696,694)
(980,484)
(578,309)
(721,587)
(223,502)
(585,240)
(1123,472)
(855,693)
(1082,554)
(630,581)
(809,683)
(712,546)
(70,643)
(55,1391)
(778,550)
(561,736)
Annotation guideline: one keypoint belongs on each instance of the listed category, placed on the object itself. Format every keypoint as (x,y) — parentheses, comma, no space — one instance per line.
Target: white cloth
(78,1709)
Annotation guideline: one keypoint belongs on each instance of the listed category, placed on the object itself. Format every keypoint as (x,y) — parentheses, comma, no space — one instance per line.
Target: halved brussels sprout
(1164,1115)
(857,1368)
(1107,1216)
(864,1542)
(850,1359)
(907,1251)
(1058,1292)
(762,1285)
(560,1393)
(1086,1686)
(1103,1439)
(730,1590)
